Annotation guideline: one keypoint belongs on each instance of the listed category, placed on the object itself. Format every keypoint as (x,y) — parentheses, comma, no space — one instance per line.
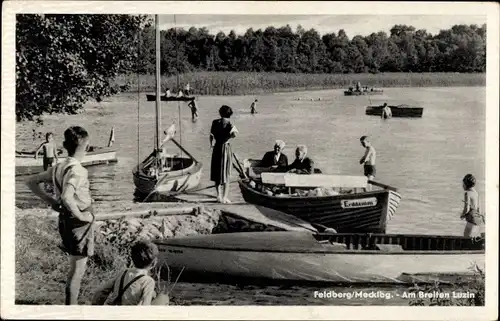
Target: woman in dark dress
(220,171)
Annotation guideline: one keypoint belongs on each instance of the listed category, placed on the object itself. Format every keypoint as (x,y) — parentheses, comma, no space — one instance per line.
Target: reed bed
(242,83)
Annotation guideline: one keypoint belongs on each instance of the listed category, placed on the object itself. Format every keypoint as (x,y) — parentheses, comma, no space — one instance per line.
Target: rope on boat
(178,85)
(138,97)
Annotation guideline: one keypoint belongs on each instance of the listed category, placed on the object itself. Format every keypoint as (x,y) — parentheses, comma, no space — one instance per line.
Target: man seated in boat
(275,159)
(302,163)
(168,93)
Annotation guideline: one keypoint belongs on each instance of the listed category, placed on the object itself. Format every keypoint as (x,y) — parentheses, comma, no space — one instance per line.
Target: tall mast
(158,80)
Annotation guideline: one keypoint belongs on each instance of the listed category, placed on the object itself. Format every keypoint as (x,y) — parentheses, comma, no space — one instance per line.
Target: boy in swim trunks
(49,151)
(368,160)
(73,202)
(133,286)
(471,211)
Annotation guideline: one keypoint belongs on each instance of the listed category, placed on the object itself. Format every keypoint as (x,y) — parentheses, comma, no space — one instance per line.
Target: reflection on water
(425,158)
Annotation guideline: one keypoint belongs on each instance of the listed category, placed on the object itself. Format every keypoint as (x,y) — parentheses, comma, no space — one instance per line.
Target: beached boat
(152,97)
(397,111)
(330,258)
(345,205)
(26,164)
(368,92)
(161,174)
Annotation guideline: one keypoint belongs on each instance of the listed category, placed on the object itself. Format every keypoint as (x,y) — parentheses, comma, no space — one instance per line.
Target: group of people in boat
(359,88)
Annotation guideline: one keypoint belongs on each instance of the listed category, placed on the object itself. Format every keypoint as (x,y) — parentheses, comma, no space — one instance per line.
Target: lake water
(425,158)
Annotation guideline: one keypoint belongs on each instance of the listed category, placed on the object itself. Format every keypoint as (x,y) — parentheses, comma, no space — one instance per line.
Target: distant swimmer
(49,151)
(386,112)
(194,110)
(252,107)
(368,159)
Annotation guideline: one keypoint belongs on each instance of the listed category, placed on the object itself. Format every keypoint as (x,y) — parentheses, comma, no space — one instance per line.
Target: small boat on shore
(152,97)
(161,174)
(26,164)
(342,258)
(397,111)
(334,201)
(367,92)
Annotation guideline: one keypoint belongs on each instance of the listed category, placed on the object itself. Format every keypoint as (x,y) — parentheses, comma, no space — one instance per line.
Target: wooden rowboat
(369,92)
(328,258)
(152,97)
(397,111)
(350,208)
(26,164)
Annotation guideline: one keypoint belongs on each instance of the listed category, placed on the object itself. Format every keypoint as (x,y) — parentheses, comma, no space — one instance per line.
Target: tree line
(462,48)
(64,60)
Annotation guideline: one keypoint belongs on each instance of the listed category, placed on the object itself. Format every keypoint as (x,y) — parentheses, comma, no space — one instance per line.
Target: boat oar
(383,185)
(242,172)
(182,148)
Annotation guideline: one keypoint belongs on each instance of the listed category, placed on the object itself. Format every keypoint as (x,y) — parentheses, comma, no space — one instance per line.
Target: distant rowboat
(152,97)
(330,258)
(369,92)
(397,111)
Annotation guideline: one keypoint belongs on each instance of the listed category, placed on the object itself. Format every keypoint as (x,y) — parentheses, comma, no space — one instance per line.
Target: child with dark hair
(133,286)
(73,202)
(471,211)
(368,159)
(221,132)
(49,151)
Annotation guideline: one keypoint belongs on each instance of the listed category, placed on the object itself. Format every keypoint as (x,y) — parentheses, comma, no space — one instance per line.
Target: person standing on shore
(74,204)
(471,212)
(252,107)
(49,151)
(221,132)
(368,159)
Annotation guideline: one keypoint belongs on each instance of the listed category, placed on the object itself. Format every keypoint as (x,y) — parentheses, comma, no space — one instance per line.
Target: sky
(353,24)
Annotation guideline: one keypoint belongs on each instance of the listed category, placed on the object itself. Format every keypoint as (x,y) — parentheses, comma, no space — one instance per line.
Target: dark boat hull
(151,97)
(333,211)
(409,112)
(363,93)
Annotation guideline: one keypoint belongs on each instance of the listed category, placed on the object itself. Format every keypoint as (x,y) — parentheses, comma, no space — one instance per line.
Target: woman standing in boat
(221,132)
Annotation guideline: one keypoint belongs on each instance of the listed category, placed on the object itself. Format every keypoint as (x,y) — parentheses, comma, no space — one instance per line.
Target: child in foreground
(368,159)
(471,211)
(132,286)
(73,202)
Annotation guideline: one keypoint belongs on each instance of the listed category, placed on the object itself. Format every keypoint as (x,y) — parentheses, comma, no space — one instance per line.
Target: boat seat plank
(314,180)
(273,178)
(323,180)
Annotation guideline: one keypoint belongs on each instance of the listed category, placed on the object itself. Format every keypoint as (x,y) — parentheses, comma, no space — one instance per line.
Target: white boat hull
(317,265)
(27,164)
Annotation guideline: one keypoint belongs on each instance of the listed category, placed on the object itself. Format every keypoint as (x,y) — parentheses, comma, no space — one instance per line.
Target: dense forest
(62,61)
(459,49)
